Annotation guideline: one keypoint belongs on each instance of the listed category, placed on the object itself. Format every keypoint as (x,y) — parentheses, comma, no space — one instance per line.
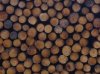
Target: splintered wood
(49,36)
